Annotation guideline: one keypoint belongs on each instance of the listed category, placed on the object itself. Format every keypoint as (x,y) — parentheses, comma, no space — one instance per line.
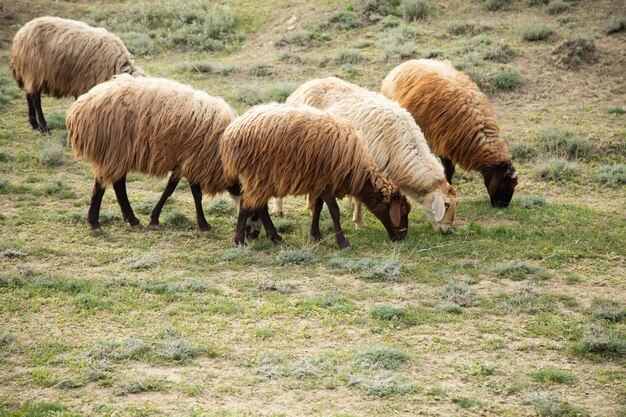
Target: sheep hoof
(95,226)
(153,226)
(360,225)
(344,245)
(276,238)
(205,230)
(317,237)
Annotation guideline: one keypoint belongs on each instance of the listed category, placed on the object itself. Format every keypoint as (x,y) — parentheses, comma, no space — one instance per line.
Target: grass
(612,175)
(495,5)
(52,154)
(537,32)
(556,170)
(295,256)
(617,24)
(548,404)
(558,143)
(182,323)
(573,53)
(413,10)
(506,79)
(556,7)
(547,375)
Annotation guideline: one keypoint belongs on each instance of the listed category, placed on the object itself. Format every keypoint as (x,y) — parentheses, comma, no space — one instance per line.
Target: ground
(519,312)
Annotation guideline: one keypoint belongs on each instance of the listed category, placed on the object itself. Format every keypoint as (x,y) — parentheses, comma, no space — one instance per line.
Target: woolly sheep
(393,139)
(457,120)
(276,150)
(62,58)
(152,126)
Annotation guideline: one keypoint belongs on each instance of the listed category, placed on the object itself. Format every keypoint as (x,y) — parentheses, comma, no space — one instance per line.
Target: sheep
(152,126)
(457,120)
(62,58)
(393,139)
(275,150)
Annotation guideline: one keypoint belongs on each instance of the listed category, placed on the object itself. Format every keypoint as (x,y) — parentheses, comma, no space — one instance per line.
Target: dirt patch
(573,53)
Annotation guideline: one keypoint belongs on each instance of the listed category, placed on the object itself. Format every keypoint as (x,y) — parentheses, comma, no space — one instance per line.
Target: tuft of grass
(610,310)
(143,262)
(612,175)
(548,404)
(602,340)
(380,357)
(536,32)
(617,24)
(348,56)
(56,120)
(458,293)
(466,28)
(86,301)
(616,110)
(514,270)
(547,375)
(221,205)
(494,5)
(557,7)
(178,220)
(388,313)
(523,152)
(559,143)
(413,10)
(531,202)
(139,385)
(298,38)
(343,20)
(51,154)
(177,349)
(381,384)
(202,67)
(118,349)
(574,52)
(8,89)
(387,270)
(506,79)
(295,256)
(38,409)
(252,95)
(398,43)
(377,7)
(556,170)
(139,44)
(260,69)
(12,254)
(466,402)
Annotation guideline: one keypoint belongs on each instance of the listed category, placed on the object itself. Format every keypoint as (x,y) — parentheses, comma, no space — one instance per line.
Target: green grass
(556,170)
(547,375)
(537,32)
(413,10)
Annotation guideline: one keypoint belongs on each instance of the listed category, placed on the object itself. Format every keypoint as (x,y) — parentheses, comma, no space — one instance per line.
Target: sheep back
(276,150)
(455,116)
(64,57)
(150,125)
(391,135)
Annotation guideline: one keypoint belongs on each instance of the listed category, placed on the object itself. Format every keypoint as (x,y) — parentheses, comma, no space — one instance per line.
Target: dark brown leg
(240,230)
(42,122)
(32,115)
(156,211)
(268,225)
(333,208)
(315,221)
(122,198)
(197,199)
(448,167)
(94,208)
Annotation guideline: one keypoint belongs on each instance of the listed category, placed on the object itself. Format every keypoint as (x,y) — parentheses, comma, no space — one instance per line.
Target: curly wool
(64,57)
(392,137)
(455,116)
(153,126)
(276,150)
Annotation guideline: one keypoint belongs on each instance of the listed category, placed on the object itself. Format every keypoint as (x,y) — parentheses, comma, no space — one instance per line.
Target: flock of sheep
(330,139)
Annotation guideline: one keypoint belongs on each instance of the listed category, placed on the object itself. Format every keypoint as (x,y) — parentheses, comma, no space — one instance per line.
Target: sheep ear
(494,183)
(394,213)
(439,207)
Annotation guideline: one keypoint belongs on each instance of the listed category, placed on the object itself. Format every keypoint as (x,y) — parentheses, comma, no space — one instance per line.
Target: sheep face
(394,215)
(440,206)
(500,184)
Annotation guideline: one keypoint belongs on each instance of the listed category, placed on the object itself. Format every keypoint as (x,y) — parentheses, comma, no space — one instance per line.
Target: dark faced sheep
(62,58)
(457,121)
(276,150)
(152,126)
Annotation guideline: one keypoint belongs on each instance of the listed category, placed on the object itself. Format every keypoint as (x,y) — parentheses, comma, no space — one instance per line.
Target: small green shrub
(537,32)
(87,301)
(260,69)
(139,44)
(142,262)
(465,402)
(344,20)
(618,24)
(381,384)
(413,10)
(298,38)
(398,43)
(139,385)
(560,143)
(522,151)
(380,357)
(537,2)
(55,120)
(549,375)
(8,89)
(51,154)
(607,309)
(177,349)
(377,7)
(557,7)
(466,28)
(117,349)
(548,404)
(573,53)
(178,220)
(388,313)
(369,269)
(500,52)
(616,110)
(602,340)
(612,175)
(202,67)
(221,205)
(458,293)
(515,270)
(556,170)
(348,56)
(531,201)
(252,95)
(494,5)
(295,256)
(506,79)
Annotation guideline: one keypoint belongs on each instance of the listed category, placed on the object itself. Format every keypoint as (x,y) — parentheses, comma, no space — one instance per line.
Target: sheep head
(389,205)
(500,182)
(440,206)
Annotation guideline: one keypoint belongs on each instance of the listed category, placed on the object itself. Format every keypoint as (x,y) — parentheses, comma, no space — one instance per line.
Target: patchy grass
(547,375)
(506,79)
(368,269)
(522,151)
(617,24)
(537,32)
(380,357)
(397,44)
(52,154)
(413,10)
(515,270)
(556,7)
(598,339)
(610,310)
(573,53)
(556,170)
(295,256)
(559,143)
(548,404)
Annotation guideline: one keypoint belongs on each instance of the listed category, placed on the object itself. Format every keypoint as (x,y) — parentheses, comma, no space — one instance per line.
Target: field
(520,312)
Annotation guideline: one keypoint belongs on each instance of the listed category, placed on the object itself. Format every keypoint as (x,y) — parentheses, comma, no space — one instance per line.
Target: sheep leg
(268,225)
(317,206)
(448,167)
(357,217)
(122,199)
(333,208)
(94,207)
(32,115)
(197,199)
(42,122)
(156,211)
(277,207)
(240,230)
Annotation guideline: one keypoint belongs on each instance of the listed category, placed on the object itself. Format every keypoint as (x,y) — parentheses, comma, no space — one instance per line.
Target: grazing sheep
(276,150)
(62,58)
(457,120)
(393,139)
(152,126)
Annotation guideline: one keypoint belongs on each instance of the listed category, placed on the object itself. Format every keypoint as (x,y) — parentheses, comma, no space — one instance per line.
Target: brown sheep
(62,58)
(276,150)
(152,126)
(457,121)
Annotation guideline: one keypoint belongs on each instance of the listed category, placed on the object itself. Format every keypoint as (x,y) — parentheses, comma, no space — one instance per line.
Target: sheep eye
(447,204)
